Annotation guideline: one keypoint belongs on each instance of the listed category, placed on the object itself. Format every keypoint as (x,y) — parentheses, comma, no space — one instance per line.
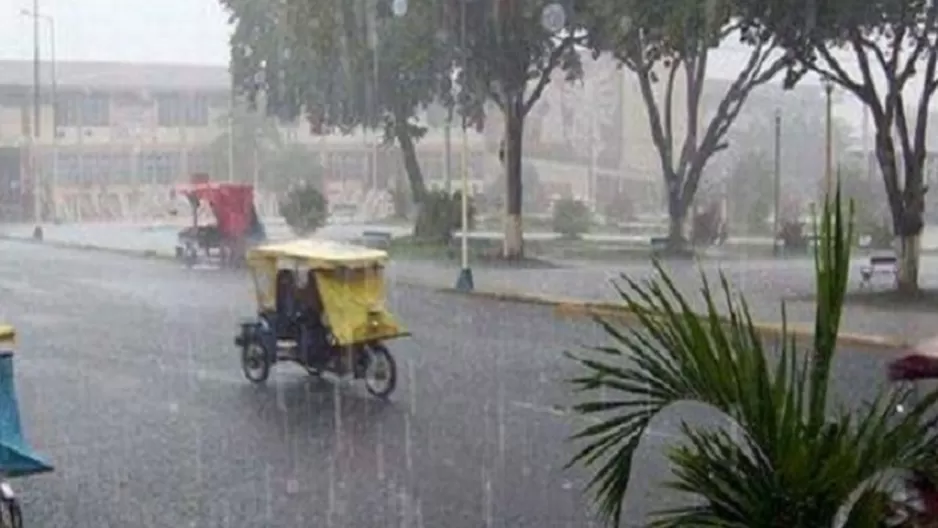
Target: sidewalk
(763,288)
(763,282)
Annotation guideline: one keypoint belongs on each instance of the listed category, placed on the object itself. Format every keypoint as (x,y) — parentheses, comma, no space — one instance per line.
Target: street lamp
(465,281)
(36,15)
(777,187)
(828,138)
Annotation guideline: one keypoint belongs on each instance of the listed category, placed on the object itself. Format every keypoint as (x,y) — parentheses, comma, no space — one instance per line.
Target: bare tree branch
(695,71)
(552,61)
(668,101)
(836,73)
(662,144)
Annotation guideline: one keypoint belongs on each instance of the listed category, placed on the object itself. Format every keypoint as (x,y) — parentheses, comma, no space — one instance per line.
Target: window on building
(83,110)
(201,161)
(168,110)
(176,110)
(159,167)
(197,111)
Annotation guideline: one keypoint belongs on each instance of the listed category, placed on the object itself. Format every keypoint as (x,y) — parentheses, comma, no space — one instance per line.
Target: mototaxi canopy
(350,281)
(231,203)
(17,457)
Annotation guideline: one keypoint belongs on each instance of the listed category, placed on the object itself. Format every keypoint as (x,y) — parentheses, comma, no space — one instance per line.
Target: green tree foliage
(257,145)
(291,164)
(510,52)
(803,135)
(304,208)
(894,46)
(672,41)
(793,236)
(708,226)
(344,65)
(440,216)
(571,218)
(534,200)
(872,207)
(750,191)
(798,460)
(250,133)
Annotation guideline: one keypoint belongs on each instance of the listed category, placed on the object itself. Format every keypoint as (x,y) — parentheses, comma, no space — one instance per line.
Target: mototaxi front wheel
(255,362)
(11,515)
(380,371)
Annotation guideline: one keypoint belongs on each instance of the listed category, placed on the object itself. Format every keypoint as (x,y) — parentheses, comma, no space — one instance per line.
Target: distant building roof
(117,75)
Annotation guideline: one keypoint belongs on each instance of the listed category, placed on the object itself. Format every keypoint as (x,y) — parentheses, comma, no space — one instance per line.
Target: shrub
(304,208)
(571,218)
(880,233)
(620,208)
(440,215)
(792,235)
(708,227)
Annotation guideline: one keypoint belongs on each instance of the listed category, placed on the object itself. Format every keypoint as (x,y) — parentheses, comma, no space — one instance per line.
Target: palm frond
(795,464)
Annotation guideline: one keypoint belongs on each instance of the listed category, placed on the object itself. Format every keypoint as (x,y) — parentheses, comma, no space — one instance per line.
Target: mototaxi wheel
(380,370)
(255,362)
(11,515)
(190,255)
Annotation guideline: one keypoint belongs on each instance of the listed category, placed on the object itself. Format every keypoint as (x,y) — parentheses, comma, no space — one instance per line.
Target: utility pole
(828,140)
(777,190)
(448,152)
(37,118)
(55,116)
(465,280)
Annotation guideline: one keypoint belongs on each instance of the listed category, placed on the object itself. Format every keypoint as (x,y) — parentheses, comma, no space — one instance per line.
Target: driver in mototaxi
(311,311)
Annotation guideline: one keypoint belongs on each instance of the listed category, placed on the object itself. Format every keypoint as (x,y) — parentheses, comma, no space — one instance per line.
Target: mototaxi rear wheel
(255,362)
(380,372)
(11,515)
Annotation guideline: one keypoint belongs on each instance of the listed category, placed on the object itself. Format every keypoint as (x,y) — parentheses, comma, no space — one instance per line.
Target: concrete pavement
(129,383)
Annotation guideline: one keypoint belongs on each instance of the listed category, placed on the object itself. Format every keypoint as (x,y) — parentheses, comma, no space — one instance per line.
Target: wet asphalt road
(130,384)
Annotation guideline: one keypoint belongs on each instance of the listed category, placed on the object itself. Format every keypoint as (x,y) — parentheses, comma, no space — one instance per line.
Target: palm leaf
(795,464)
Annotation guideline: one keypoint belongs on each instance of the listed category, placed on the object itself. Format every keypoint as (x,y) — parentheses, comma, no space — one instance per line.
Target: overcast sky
(176,31)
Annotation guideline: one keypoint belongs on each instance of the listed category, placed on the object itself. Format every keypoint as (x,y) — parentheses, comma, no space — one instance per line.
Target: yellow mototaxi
(320,304)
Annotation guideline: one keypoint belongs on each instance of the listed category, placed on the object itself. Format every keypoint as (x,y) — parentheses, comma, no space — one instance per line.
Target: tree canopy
(509,51)
(344,65)
(883,52)
(671,42)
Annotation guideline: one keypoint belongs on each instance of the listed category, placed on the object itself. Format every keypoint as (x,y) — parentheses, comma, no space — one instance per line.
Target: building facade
(120,129)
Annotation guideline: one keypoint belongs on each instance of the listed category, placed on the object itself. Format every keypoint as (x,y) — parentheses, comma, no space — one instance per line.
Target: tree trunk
(677,214)
(513,247)
(418,189)
(907,272)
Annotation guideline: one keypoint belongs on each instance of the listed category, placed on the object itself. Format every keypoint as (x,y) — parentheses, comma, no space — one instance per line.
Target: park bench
(659,243)
(886,264)
(376,239)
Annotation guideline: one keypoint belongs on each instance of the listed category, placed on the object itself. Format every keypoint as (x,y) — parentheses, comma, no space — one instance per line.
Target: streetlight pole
(55,121)
(230,123)
(448,152)
(828,139)
(37,118)
(36,15)
(778,180)
(465,281)
(375,42)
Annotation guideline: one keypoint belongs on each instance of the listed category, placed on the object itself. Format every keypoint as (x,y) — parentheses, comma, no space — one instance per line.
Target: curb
(563,306)
(579,308)
(146,254)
